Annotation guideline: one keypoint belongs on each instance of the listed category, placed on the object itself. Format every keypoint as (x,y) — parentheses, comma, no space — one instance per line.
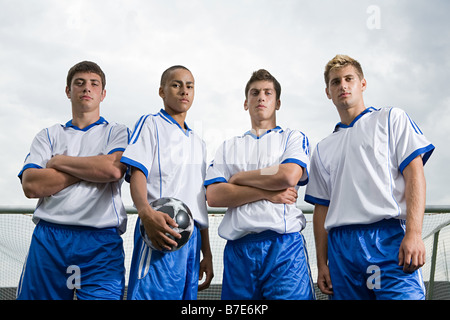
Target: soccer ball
(179,212)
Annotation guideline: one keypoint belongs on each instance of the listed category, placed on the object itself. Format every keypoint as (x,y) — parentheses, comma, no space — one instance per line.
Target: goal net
(16,229)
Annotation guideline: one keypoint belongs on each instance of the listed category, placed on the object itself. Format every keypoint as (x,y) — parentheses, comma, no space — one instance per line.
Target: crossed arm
(275,184)
(63,171)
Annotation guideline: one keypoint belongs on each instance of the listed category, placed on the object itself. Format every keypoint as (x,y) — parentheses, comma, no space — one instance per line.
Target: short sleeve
(297,151)
(407,140)
(40,152)
(142,146)
(317,190)
(118,138)
(217,170)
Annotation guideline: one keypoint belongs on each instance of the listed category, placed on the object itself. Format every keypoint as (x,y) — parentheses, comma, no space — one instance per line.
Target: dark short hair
(263,75)
(167,72)
(86,66)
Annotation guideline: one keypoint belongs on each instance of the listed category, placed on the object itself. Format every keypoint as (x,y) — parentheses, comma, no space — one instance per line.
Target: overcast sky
(403,46)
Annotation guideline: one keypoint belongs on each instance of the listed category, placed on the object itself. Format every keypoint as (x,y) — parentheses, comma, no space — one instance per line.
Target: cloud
(405,60)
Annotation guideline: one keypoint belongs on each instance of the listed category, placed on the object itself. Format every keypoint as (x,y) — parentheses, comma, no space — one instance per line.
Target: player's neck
(261,127)
(84,119)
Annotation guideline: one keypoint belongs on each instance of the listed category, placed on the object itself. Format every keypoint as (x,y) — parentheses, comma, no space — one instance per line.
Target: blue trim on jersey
(293,160)
(391,180)
(251,134)
(344,126)
(313,200)
(28,166)
(137,129)
(133,163)
(101,120)
(49,141)
(116,150)
(301,164)
(159,160)
(215,180)
(414,125)
(168,118)
(426,151)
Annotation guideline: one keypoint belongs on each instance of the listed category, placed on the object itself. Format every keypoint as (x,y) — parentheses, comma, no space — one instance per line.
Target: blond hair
(340,61)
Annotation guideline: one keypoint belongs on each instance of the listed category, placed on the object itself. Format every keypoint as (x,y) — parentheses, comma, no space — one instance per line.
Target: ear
(161,92)
(278,105)
(68,92)
(245,105)
(327,92)
(103,95)
(363,85)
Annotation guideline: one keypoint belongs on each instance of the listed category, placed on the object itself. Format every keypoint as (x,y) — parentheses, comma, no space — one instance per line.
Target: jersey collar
(169,119)
(253,135)
(340,125)
(101,120)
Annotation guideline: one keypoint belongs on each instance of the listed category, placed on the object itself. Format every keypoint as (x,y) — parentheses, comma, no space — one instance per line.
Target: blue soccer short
(156,275)
(363,263)
(267,265)
(62,259)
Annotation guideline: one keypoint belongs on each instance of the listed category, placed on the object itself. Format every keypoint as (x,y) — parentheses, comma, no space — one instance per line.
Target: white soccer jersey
(250,152)
(357,170)
(84,203)
(174,162)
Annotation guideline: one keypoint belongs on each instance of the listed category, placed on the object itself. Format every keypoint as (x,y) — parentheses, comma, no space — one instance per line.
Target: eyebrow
(83,79)
(181,82)
(263,89)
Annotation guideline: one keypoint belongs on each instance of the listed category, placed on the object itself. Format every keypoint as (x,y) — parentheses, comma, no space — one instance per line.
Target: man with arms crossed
(368,186)
(75,171)
(256,176)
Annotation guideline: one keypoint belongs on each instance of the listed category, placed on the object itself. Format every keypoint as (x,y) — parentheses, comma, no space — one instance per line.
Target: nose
(184,91)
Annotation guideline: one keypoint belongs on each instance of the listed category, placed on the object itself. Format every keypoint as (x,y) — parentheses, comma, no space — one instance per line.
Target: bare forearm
(320,235)
(138,190)
(39,183)
(99,169)
(273,178)
(231,195)
(206,248)
(415,194)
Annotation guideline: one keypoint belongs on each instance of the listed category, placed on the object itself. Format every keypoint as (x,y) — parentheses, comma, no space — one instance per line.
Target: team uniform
(357,172)
(265,255)
(78,229)
(174,163)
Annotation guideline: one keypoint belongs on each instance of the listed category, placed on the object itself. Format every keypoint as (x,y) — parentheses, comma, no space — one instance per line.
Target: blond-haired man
(368,186)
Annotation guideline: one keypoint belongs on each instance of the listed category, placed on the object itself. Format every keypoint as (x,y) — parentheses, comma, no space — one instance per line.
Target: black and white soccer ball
(179,212)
